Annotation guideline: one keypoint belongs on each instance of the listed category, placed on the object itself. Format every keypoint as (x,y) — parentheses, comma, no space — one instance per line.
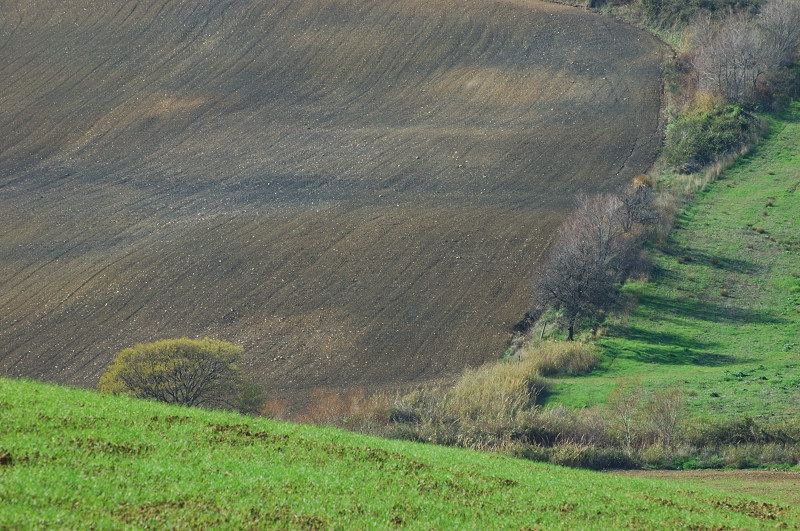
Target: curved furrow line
(123,12)
(25,278)
(343,183)
(88,279)
(8,27)
(19,295)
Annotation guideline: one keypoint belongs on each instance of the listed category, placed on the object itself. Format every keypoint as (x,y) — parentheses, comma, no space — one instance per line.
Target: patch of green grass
(720,317)
(77,459)
(776,485)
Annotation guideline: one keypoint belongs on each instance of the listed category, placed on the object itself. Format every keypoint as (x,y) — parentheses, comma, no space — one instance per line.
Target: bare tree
(732,57)
(779,21)
(591,255)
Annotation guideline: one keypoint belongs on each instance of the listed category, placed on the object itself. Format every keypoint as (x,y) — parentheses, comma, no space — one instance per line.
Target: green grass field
(720,318)
(77,459)
(780,486)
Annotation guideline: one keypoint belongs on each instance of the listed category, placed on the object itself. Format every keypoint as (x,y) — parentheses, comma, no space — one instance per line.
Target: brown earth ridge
(358,192)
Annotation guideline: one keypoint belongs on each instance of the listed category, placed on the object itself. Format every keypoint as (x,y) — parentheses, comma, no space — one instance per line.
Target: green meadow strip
(720,317)
(76,459)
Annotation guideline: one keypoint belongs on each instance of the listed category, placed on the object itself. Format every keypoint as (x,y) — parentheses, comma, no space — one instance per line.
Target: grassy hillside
(356,192)
(73,458)
(720,318)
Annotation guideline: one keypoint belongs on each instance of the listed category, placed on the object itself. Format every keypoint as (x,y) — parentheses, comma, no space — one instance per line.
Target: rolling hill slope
(357,192)
(75,459)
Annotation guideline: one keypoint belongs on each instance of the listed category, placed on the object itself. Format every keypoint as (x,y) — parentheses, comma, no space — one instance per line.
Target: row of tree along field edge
(699,367)
(720,316)
(78,459)
(730,66)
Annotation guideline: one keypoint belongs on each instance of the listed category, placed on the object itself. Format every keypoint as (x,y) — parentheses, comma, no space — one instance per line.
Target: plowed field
(357,191)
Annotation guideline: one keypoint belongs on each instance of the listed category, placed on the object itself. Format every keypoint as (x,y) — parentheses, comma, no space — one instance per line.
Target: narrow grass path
(720,317)
(76,459)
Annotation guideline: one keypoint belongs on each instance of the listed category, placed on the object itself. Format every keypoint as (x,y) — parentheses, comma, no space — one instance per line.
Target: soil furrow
(359,190)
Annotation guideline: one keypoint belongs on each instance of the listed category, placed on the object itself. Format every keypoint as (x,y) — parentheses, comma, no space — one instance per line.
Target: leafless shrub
(663,410)
(637,208)
(625,404)
(325,407)
(276,408)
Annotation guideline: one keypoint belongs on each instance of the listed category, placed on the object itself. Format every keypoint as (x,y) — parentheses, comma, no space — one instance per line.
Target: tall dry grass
(496,408)
(495,394)
(550,358)
(483,409)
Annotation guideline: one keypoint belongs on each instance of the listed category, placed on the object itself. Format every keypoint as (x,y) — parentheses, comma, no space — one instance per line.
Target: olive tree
(190,372)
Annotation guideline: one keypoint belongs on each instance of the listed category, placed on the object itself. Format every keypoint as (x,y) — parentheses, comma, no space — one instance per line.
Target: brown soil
(356,191)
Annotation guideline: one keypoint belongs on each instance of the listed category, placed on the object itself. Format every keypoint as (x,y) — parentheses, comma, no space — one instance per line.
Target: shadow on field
(691,348)
(667,348)
(705,310)
(734,265)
